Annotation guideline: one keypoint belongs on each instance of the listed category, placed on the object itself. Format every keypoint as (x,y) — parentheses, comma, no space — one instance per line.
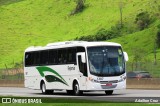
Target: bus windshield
(106,60)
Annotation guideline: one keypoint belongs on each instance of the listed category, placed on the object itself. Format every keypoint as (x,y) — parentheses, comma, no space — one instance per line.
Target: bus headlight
(96,81)
(93,80)
(122,79)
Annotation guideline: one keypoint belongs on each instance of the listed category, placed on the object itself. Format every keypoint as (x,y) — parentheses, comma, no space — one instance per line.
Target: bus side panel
(28,82)
(68,74)
(32,78)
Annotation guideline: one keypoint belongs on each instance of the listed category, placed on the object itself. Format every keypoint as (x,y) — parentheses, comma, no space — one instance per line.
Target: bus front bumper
(92,86)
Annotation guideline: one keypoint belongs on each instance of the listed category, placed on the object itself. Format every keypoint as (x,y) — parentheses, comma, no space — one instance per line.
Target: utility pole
(155,53)
(156,45)
(121,12)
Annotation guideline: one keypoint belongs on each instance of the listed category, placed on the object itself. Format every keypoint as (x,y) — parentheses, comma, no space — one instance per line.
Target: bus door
(82,69)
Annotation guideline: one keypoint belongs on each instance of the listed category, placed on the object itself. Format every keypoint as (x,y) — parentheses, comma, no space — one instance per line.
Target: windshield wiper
(104,62)
(101,71)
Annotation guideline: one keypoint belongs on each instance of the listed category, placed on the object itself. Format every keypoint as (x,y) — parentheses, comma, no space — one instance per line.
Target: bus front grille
(105,82)
(108,87)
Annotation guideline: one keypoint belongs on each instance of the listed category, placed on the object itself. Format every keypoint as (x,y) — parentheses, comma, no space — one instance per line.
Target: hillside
(24,23)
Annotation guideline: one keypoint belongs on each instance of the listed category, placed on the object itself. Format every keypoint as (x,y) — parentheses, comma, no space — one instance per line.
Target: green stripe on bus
(43,69)
(52,78)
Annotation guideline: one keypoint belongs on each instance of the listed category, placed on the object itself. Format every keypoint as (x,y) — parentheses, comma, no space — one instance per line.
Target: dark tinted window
(44,57)
(53,57)
(28,59)
(131,74)
(62,56)
(80,49)
(32,58)
(71,56)
(36,58)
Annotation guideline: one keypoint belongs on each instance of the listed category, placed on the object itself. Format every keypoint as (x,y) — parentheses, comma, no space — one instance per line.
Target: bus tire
(109,92)
(76,89)
(44,90)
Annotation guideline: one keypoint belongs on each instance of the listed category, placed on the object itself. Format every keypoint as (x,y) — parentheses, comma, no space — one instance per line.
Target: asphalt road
(128,95)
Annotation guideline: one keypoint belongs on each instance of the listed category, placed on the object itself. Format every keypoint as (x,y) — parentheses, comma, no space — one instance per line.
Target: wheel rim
(76,88)
(43,88)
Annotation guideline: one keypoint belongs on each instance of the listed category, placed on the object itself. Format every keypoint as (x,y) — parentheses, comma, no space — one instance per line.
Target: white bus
(76,66)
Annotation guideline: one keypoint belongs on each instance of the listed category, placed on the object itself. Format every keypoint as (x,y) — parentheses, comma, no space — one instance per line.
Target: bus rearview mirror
(83,57)
(125,56)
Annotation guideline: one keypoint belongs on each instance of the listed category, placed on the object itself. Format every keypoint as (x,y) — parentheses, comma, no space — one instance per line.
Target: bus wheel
(43,89)
(70,92)
(110,92)
(76,89)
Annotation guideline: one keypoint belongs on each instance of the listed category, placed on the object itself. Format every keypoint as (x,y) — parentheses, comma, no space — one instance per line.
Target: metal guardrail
(11,83)
(151,67)
(12,74)
(143,83)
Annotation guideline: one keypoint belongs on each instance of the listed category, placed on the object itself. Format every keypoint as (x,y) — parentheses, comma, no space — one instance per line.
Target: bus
(75,66)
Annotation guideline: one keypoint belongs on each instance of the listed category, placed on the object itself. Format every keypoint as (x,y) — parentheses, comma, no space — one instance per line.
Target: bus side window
(52,57)
(44,57)
(36,58)
(62,56)
(71,56)
(28,59)
(59,56)
(82,66)
(80,49)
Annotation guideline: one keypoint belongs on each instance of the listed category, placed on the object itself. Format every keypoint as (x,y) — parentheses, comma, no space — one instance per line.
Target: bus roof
(71,44)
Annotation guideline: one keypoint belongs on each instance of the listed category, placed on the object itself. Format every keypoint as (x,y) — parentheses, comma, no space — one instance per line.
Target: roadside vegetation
(133,23)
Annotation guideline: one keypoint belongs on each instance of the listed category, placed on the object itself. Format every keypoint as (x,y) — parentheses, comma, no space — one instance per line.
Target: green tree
(138,55)
(142,20)
(79,7)
(158,36)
